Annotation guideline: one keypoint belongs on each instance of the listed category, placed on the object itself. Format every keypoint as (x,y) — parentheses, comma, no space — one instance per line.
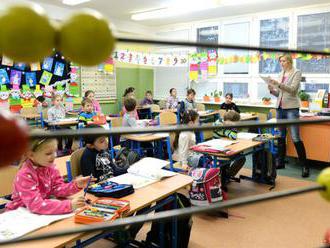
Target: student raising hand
(82,182)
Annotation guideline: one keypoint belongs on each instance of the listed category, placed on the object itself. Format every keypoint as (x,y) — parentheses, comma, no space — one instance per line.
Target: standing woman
(287,107)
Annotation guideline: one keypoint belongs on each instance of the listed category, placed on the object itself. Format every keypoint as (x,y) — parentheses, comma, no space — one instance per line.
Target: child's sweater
(33,187)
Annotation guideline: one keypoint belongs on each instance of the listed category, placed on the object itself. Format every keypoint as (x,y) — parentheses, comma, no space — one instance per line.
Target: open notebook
(144,172)
(214,145)
(16,223)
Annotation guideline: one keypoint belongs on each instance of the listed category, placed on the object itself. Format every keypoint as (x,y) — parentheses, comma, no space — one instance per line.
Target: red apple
(14,138)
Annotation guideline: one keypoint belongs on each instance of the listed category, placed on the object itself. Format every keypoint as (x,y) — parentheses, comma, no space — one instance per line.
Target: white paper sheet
(218,144)
(16,223)
(246,136)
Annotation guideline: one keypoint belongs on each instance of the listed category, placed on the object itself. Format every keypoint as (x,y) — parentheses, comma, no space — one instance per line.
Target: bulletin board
(102,83)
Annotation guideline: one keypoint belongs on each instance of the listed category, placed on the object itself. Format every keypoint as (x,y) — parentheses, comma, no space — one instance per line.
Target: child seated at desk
(129,120)
(172,101)
(230,117)
(55,113)
(87,113)
(96,159)
(38,180)
(129,93)
(96,105)
(228,104)
(147,99)
(184,140)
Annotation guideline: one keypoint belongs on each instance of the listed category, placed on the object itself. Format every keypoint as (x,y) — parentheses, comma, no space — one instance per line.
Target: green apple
(26,33)
(324,180)
(86,38)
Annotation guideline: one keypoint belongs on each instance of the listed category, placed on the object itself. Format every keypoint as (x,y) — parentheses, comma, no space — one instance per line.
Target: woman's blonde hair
(287,56)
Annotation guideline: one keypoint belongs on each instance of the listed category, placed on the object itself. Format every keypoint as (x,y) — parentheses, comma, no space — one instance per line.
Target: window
(314,34)
(236,33)
(263,91)
(239,90)
(207,35)
(313,88)
(273,33)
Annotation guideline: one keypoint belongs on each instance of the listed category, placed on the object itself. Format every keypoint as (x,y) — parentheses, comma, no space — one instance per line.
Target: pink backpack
(206,186)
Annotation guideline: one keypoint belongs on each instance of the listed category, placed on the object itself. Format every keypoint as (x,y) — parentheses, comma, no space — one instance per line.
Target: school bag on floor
(206,186)
(264,169)
(184,226)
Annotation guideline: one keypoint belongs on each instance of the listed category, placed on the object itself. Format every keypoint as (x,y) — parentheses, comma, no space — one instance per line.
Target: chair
(154,107)
(73,166)
(168,118)
(31,113)
(200,107)
(162,104)
(115,122)
(7,175)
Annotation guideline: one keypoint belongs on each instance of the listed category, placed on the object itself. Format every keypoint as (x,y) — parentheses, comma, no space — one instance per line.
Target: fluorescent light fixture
(74,2)
(178,8)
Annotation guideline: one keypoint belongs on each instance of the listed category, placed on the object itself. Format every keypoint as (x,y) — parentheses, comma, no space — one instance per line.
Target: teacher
(287,107)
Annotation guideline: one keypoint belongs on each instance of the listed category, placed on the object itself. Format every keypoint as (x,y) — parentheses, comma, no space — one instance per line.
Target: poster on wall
(30,79)
(45,78)
(20,66)
(15,77)
(48,64)
(35,66)
(7,61)
(59,69)
(4,79)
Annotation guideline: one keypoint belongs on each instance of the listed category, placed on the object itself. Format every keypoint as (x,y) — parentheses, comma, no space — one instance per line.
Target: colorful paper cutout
(48,64)
(59,69)
(45,78)
(30,79)
(15,77)
(4,79)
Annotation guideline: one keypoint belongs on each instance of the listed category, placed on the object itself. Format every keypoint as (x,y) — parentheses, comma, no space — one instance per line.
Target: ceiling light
(74,2)
(177,8)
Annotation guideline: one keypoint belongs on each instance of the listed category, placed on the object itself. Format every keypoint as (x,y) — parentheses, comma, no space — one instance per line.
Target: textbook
(18,222)
(144,172)
(214,145)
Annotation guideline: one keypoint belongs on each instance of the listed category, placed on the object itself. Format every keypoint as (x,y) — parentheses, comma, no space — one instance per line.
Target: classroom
(118,112)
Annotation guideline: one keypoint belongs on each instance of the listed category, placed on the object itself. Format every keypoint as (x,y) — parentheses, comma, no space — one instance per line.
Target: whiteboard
(103,84)
(166,78)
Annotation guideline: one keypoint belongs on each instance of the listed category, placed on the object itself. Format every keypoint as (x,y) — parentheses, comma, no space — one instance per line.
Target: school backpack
(199,160)
(264,168)
(184,226)
(206,186)
(123,160)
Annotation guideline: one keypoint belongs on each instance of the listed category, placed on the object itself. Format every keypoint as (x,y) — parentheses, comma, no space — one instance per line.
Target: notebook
(214,145)
(16,223)
(144,172)
(247,136)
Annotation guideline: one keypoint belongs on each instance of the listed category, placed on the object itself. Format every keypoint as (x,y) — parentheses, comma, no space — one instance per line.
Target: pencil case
(90,215)
(110,189)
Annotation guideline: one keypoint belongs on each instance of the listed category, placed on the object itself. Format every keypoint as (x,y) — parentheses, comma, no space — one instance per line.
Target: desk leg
(175,223)
(169,152)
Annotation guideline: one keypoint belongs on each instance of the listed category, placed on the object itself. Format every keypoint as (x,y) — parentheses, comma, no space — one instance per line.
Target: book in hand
(144,172)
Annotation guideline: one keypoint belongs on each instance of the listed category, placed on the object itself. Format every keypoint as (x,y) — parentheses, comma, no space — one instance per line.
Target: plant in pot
(266,100)
(304,98)
(217,95)
(206,98)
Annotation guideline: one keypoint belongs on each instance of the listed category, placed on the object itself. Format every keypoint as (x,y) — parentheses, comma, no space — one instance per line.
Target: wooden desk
(30,116)
(164,110)
(141,198)
(316,138)
(237,148)
(208,113)
(63,122)
(146,137)
(248,117)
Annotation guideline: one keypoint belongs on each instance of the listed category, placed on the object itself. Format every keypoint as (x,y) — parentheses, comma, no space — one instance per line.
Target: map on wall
(314,34)
(273,33)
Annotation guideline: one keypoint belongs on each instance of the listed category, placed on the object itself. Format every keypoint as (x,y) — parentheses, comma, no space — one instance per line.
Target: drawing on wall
(273,33)
(313,34)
